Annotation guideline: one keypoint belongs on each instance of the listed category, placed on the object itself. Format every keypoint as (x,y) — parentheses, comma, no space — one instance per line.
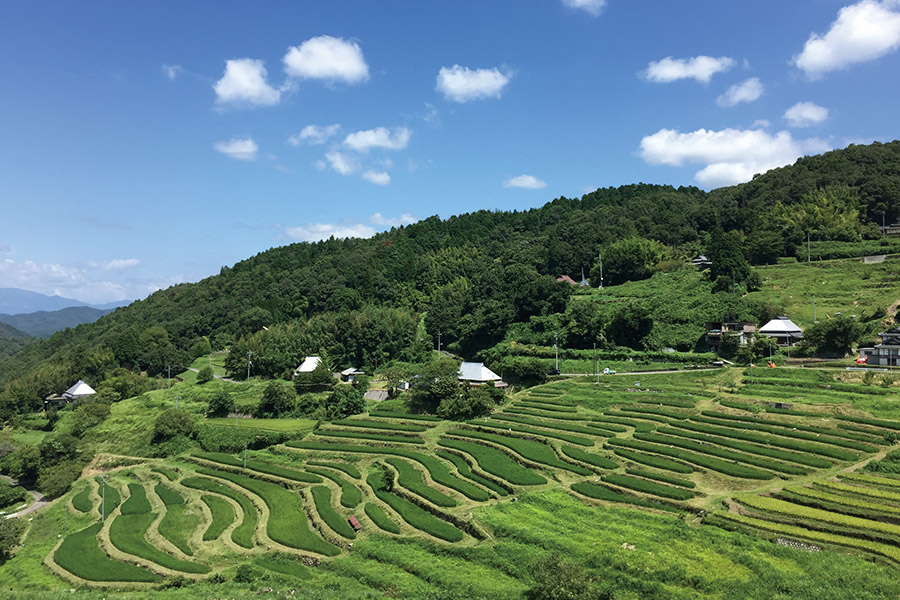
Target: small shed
(475,373)
(354,523)
(349,374)
(77,391)
(308,365)
(783,330)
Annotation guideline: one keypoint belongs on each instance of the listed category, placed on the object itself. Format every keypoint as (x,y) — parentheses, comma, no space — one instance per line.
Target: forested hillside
(471,278)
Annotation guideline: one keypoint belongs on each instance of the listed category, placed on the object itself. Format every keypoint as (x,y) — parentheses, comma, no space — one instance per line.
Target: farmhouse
(76,392)
(716,331)
(308,365)
(782,330)
(887,352)
(475,373)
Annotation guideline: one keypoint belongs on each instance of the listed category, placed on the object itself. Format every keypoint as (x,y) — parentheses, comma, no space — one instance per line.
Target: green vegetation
(411,479)
(347,468)
(652,460)
(715,464)
(380,518)
(81,555)
(661,477)
(322,499)
(179,522)
(350,494)
(495,462)
(262,467)
(535,451)
(414,515)
(648,487)
(82,500)
(222,516)
(466,471)
(368,424)
(572,439)
(588,457)
(600,492)
(242,535)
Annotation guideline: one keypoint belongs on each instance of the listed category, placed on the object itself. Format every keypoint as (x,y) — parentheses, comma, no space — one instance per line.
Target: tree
(204,375)
(54,480)
(558,579)
(88,414)
(726,251)
(277,399)
(468,403)
(10,533)
(318,380)
(437,381)
(629,259)
(172,422)
(835,336)
(346,400)
(220,404)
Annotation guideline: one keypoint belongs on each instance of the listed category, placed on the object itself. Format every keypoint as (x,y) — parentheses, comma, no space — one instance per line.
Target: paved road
(40,501)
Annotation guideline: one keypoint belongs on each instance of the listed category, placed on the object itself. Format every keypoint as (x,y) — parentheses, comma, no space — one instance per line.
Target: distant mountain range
(43,324)
(14,301)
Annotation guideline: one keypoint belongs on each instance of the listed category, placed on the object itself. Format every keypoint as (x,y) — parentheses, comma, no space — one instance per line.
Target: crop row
(606,419)
(347,468)
(641,417)
(438,470)
(895,425)
(387,425)
(170,474)
(398,415)
(259,466)
(466,471)
(178,523)
(222,516)
(790,509)
(652,460)
(830,386)
(823,446)
(600,492)
(530,450)
(793,457)
(815,536)
(558,401)
(80,554)
(889,482)
(242,535)
(495,462)
(556,425)
(661,477)
(413,514)
(572,439)
(844,499)
(548,407)
(703,460)
(588,457)
(82,500)
(704,448)
(648,487)
(660,400)
(794,426)
(410,478)
(380,518)
(539,413)
(655,410)
(350,494)
(322,499)
(287,523)
(831,506)
(860,490)
(365,435)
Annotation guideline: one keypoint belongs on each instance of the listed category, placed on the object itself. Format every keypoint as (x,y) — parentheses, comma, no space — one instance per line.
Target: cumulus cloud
(862,32)
(376,177)
(380,137)
(316,232)
(529,182)
(804,114)
(404,219)
(731,155)
(761,124)
(745,91)
(462,84)
(328,58)
(238,148)
(120,264)
(172,71)
(314,134)
(342,163)
(592,7)
(244,84)
(700,68)
(60,280)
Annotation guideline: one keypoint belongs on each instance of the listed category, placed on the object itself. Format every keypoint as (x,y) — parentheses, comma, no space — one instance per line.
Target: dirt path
(214,376)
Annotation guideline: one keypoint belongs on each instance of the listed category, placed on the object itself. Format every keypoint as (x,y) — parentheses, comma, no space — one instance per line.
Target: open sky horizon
(148,144)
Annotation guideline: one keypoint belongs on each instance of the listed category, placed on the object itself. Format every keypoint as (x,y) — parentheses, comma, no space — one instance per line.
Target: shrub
(54,480)
(220,404)
(276,401)
(558,579)
(172,422)
(10,532)
(222,438)
(204,375)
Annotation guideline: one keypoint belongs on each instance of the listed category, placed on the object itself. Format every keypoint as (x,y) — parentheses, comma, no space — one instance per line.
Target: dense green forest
(481,278)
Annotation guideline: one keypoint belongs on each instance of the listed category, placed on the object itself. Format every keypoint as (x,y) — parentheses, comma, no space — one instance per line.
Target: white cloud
(238,148)
(329,58)
(529,182)
(745,91)
(700,68)
(592,7)
(462,84)
(60,280)
(760,124)
(342,163)
(731,155)
(380,137)
(315,232)
(376,177)
(804,114)
(120,264)
(172,71)
(862,32)
(314,134)
(244,84)
(404,219)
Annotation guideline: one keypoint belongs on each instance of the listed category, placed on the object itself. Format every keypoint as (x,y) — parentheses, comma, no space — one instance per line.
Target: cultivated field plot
(781,454)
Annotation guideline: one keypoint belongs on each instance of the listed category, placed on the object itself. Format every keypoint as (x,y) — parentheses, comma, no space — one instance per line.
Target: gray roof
(472,371)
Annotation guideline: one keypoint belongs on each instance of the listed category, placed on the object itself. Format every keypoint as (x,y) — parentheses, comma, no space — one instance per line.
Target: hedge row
(80,554)
(350,494)
(413,514)
(82,500)
(648,487)
(548,407)
(347,468)
(242,535)
(322,499)
(661,477)
(364,435)
(654,461)
(815,536)
(465,469)
(170,474)
(399,415)
(895,425)
(539,413)
(794,426)
(842,499)
(538,452)
(259,466)
(739,457)
(287,522)
(380,518)
(588,457)
(495,462)
(790,509)
(860,490)
(889,482)
(557,425)
(652,410)
(223,438)
(387,425)
(411,479)
(438,470)
(714,464)
(222,516)
(572,439)
(794,457)
(600,492)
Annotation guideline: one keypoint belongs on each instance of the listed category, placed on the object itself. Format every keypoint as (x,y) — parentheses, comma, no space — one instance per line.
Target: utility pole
(168,375)
(245,455)
(808,251)
(815,320)
(249,363)
(600,258)
(177,397)
(103,499)
(556,347)
(439,343)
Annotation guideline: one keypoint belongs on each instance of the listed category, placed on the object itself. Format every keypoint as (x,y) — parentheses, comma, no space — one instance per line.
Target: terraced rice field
(686,446)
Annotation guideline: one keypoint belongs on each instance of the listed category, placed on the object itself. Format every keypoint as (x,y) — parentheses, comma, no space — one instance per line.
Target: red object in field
(862,360)
(354,523)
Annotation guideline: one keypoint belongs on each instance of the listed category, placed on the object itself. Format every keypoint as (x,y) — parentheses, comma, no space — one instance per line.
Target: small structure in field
(349,374)
(354,523)
(887,353)
(701,261)
(782,330)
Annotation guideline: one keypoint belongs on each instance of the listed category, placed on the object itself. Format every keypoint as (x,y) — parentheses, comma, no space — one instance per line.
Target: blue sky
(144,144)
